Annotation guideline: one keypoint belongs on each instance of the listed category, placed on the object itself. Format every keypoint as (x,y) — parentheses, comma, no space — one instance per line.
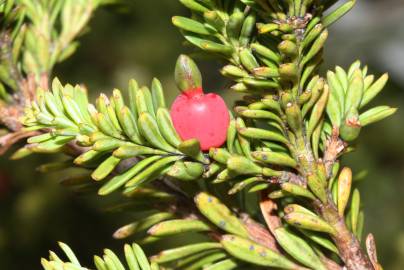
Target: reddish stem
(193,92)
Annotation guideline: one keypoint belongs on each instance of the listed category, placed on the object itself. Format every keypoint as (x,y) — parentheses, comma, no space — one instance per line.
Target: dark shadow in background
(140,43)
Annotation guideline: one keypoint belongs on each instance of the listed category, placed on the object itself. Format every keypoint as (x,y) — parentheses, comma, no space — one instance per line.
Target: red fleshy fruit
(202,117)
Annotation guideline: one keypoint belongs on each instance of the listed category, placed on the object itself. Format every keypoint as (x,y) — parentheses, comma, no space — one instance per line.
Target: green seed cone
(187,74)
(351,127)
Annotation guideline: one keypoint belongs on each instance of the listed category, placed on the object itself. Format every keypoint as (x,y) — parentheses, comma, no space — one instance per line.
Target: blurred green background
(138,41)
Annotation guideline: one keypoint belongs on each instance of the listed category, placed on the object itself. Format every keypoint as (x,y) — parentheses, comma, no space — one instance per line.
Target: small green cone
(187,74)
(351,127)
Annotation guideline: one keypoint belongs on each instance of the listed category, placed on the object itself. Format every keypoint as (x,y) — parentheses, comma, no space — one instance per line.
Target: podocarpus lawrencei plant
(261,183)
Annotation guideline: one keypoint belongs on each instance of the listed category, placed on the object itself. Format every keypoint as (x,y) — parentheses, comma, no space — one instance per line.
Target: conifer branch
(135,258)
(280,161)
(34,37)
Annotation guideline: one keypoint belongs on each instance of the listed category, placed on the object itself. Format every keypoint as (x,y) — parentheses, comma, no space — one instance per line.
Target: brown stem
(334,147)
(9,139)
(10,114)
(348,245)
(289,177)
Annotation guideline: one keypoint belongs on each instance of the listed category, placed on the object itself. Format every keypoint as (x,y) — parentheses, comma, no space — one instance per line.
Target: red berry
(199,116)
(194,114)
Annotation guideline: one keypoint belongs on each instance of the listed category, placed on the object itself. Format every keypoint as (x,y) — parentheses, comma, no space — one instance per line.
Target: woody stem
(348,245)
